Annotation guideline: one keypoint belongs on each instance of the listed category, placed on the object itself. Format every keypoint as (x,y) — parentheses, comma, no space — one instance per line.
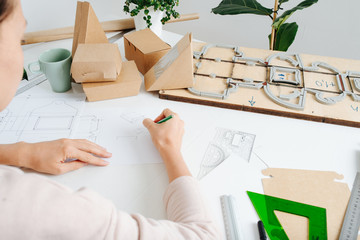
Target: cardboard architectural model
(99,62)
(301,86)
(127,84)
(145,48)
(87,26)
(174,70)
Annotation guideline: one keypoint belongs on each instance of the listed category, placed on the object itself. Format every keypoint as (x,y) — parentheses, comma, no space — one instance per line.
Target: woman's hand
(55,157)
(167,138)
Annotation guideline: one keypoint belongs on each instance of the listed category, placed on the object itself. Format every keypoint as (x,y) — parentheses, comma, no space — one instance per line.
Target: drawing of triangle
(87,26)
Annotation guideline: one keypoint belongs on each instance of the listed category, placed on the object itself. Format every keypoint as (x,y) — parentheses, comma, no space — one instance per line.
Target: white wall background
(328,28)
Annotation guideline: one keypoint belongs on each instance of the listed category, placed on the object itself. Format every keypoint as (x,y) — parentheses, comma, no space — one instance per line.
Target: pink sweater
(34,207)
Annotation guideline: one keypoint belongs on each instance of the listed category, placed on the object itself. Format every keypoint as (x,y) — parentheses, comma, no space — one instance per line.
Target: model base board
(309,87)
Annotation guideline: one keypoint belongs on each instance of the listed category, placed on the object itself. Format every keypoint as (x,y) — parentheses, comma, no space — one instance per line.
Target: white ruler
(36,80)
(231,217)
(350,227)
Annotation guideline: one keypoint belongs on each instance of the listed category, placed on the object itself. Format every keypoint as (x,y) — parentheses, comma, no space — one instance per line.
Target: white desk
(280,142)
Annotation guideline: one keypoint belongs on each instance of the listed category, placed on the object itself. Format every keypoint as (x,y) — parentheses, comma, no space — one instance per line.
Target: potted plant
(151,13)
(282,34)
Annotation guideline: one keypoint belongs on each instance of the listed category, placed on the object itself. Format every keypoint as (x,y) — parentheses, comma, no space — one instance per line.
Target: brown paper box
(174,70)
(127,84)
(145,48)
(87,26)
(96,63)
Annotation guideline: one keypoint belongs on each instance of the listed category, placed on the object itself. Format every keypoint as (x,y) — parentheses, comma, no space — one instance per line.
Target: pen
(262,233)
(164,119)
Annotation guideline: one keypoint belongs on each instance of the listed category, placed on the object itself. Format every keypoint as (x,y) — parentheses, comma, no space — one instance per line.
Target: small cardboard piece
(96,63)
(87,26)
(316,188)
(127,84)
(174,70)
(145,48)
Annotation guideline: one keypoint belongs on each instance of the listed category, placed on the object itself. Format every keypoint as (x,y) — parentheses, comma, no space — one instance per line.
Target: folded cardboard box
(174,70)
(87,27)
(145,48)
(96,63)
(127,84)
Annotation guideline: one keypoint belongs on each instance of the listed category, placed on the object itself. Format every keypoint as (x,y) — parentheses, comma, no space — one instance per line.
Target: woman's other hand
(59,156)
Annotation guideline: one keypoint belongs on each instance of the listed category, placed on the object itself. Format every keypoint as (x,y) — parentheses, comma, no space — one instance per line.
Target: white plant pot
(156,17)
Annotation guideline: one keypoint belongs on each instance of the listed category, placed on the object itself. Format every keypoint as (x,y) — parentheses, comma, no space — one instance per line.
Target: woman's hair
(6,7)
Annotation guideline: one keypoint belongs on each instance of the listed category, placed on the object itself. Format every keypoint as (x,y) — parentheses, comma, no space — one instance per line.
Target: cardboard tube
(108,26)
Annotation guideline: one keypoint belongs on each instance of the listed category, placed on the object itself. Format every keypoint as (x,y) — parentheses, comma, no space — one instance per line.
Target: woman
(33,207)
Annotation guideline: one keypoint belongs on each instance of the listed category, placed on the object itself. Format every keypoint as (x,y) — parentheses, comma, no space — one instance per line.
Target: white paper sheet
(122,134)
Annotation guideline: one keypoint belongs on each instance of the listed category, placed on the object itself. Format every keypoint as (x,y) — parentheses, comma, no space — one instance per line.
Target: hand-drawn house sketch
(121,133)
(34,119)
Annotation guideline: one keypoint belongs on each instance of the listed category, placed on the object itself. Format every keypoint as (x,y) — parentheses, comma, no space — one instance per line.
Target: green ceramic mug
(55,64)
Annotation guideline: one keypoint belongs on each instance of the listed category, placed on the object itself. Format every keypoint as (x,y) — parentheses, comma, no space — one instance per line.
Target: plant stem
(272,41)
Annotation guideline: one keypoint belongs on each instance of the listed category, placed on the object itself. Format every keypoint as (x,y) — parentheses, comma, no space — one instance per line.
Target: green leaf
(285,36)
(233,7)
(283,1)
(280,20)
(25,76)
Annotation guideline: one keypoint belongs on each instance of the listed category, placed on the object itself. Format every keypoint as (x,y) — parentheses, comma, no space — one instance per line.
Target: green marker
(165,119)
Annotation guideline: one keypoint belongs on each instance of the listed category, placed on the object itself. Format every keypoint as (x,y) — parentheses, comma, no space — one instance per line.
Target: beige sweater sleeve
(34,207)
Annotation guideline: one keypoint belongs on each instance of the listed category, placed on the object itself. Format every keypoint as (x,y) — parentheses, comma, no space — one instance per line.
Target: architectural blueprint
(215,146)
(35,119)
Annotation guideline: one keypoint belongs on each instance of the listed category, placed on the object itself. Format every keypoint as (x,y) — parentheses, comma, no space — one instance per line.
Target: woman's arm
(53,156)
(44,209)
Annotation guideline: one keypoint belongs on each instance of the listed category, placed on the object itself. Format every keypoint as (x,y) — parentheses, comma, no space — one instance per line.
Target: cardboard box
(145,48)
(127,84)
(174,70)
(87,27)
(96,63)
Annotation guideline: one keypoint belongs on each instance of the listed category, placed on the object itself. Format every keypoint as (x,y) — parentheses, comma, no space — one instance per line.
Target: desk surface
(280,142)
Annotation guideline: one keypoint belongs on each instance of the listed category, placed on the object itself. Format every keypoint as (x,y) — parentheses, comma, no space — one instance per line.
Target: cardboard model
(145,48)
(174,70)
(87,26)
(317,88)
(127,84)
(96,63)
(318,188)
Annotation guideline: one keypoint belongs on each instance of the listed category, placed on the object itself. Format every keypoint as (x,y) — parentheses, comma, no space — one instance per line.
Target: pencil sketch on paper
(34,119)
(225,143)
(135,119)
(121,133)
(89,127)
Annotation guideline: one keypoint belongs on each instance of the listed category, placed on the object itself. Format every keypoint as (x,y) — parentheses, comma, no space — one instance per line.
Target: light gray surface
(328,28)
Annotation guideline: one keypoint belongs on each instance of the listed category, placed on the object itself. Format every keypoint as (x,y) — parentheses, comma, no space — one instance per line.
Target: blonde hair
(6,7)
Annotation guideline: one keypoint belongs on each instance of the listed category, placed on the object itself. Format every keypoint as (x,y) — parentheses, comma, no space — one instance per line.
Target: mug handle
(33,64)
